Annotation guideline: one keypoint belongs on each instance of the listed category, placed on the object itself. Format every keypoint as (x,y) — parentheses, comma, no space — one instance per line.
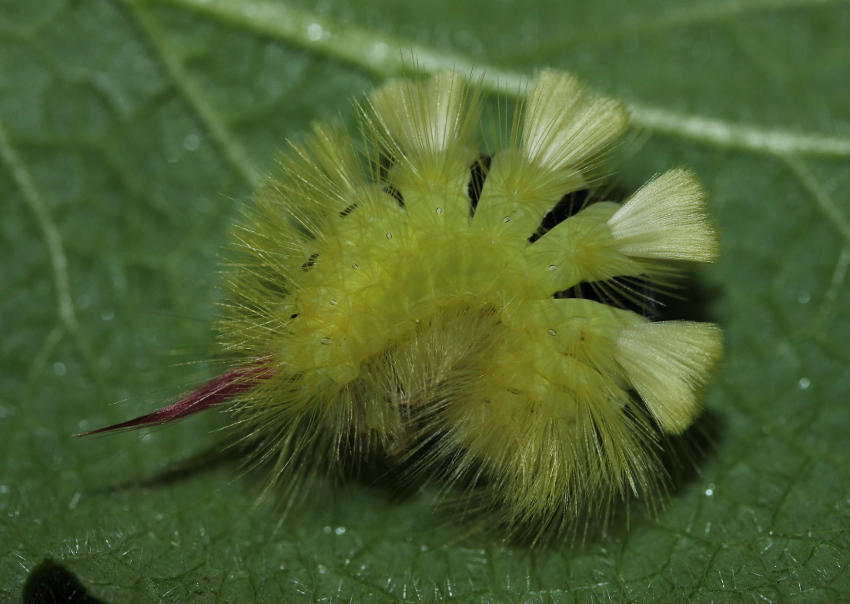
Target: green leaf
(130,129)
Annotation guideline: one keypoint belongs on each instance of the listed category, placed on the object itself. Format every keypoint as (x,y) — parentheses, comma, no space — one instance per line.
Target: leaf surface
(131,130)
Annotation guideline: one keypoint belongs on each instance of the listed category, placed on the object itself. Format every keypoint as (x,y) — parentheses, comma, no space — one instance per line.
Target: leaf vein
(188,87)
(821,196)
(49,230)
(385,57)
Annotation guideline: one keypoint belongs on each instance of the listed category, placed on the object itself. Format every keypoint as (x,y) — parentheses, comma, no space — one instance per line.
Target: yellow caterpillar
(399,293)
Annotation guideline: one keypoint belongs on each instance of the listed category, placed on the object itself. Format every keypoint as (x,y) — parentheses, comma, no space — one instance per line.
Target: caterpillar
(400,293)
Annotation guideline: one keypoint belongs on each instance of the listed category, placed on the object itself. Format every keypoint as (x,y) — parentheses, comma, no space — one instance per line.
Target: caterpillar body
(400,293)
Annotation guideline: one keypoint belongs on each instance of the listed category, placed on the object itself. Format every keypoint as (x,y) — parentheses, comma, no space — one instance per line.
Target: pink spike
(216,391)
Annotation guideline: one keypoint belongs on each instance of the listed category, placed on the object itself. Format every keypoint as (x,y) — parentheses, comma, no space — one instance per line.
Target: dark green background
(129,130)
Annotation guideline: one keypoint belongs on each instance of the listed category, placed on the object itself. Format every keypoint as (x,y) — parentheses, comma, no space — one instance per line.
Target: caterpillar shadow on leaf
(480,319)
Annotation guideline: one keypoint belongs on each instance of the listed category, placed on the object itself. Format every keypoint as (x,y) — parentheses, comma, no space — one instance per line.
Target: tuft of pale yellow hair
(666,219)
(565,125)
(423,118)
(669,363)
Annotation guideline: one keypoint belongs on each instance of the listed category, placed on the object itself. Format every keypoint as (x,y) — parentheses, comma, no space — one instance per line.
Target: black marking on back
(478,172)
(311,262)
(384,168)
(395,193)
(569,205)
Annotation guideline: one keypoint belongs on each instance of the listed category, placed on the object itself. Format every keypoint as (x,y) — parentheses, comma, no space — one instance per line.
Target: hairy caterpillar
(401,294)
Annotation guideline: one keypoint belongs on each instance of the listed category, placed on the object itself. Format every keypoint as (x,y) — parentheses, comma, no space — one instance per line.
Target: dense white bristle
(423,116)
(666,219)
(564,125)
(668,362)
